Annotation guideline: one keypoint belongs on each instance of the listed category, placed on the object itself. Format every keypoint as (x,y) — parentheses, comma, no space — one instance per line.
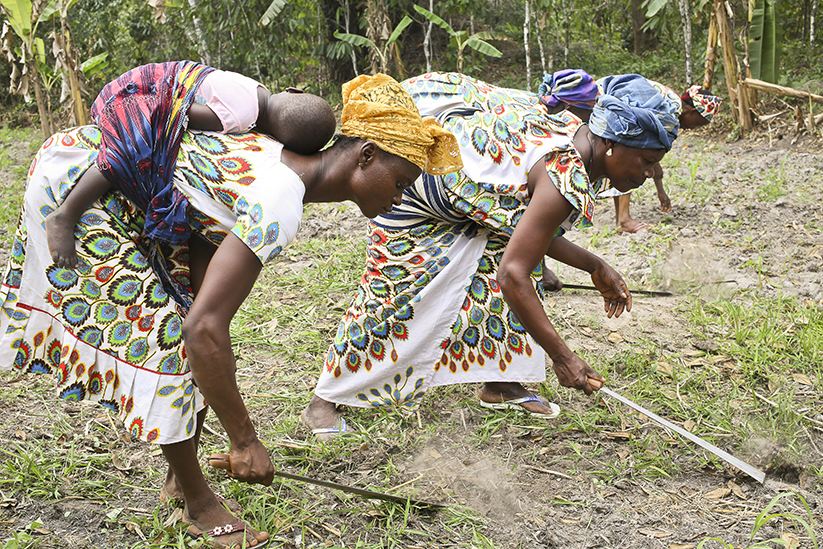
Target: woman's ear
(368,152)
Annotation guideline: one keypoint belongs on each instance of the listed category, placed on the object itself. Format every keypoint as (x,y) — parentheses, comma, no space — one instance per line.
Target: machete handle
(220,461)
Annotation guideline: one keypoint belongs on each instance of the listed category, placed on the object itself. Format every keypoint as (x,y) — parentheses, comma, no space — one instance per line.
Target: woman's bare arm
(531,238)
(229,278)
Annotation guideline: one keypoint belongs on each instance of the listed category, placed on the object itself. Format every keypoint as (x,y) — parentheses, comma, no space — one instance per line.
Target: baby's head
(302,122)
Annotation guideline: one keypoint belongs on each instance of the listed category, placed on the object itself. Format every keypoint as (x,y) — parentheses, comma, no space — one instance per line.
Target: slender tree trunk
(378,32)
(526,23)
(72,70)
(686,20)
(34,80)
(427,40)
(711,53)
(566,34)
(812,22)
(541,28)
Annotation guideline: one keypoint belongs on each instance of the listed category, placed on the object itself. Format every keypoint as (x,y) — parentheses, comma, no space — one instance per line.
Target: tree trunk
(378,31)
(566,34)
(353,56)
(34,80)
(526,23)
(686,20)
(711,53)
(540,29)
(643,40)
(736,90)
(427,40)
(811,23)
(72,69)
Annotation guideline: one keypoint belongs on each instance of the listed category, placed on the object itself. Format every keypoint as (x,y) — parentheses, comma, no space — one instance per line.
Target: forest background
(62,50)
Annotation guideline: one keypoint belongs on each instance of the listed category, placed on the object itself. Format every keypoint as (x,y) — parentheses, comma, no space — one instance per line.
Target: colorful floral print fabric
(107,331)
(429,310)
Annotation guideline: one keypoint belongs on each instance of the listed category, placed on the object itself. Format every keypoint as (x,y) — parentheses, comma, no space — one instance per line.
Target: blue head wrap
(631,112)
(573,86)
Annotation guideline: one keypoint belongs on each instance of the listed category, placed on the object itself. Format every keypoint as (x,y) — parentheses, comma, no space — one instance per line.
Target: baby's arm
(203,118)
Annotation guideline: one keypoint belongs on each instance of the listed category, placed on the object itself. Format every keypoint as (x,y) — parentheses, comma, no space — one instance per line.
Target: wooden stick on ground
(781,90)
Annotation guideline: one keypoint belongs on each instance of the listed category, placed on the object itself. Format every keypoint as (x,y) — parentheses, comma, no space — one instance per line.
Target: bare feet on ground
(60,236)
(171,491)
(503,391)
(631,226)
(321,414)
(211,515)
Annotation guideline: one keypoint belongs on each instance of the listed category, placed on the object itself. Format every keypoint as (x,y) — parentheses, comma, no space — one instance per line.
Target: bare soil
(532,487)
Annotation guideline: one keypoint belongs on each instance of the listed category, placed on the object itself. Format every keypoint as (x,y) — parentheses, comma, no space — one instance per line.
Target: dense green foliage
(297,46)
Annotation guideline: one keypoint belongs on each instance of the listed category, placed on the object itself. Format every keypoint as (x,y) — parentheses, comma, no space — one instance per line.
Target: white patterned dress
(428,310)
(108,331)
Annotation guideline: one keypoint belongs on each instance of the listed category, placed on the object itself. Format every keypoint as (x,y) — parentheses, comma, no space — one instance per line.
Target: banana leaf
(765,39)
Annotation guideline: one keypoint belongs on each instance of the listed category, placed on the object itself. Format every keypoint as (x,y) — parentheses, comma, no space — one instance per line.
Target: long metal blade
(359,491)
(221,461)
(753,472)
(653,293)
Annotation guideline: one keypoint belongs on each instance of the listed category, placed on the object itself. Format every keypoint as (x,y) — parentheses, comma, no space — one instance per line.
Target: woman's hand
(572,371)
(251,464)
(616,296)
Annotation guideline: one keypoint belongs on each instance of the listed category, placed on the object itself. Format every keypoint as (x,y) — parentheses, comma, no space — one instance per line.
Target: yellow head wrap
(377,108)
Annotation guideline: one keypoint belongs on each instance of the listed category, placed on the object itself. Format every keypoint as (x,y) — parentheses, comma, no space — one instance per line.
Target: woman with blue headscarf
(452,289)
(695,108)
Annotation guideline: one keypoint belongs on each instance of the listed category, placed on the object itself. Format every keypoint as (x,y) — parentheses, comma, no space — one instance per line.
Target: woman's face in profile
(379,185)
(629,167)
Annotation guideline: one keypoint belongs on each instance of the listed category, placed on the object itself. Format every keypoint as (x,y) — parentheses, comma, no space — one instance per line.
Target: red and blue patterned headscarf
(705,103)
(572,86)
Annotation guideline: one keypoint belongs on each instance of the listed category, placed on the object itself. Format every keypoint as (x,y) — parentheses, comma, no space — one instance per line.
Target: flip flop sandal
(341,429)
(517,404)
(225,530)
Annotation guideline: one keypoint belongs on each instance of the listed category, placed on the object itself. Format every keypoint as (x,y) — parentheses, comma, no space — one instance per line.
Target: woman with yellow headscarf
(150,340)
(452,285)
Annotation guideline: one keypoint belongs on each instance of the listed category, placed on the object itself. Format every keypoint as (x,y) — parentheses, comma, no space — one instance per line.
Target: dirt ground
(714,240)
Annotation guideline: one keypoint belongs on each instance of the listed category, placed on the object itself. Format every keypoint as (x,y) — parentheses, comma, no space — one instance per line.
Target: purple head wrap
(572,86)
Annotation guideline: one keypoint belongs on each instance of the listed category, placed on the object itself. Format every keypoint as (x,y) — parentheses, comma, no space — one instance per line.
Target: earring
(609,152)
(360,164)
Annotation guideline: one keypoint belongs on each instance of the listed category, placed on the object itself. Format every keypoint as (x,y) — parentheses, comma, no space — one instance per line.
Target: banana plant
(30,54)
(764,44)
(461,39)
(382,53)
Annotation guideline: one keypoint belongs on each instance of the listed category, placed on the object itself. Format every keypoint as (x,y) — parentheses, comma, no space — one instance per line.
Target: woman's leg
(60,223)
(203,510)
(625,223)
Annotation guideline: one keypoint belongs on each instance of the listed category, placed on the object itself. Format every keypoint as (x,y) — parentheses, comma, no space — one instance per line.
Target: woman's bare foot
(206,519)
(494,392)
(322,418)
(173,493)
(60,237)
(631,226)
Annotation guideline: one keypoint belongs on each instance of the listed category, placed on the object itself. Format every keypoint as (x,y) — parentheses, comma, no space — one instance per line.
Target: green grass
(756,346)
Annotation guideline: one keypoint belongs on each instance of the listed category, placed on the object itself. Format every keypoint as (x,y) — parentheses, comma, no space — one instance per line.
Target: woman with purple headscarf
(451,291)
(573,90)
